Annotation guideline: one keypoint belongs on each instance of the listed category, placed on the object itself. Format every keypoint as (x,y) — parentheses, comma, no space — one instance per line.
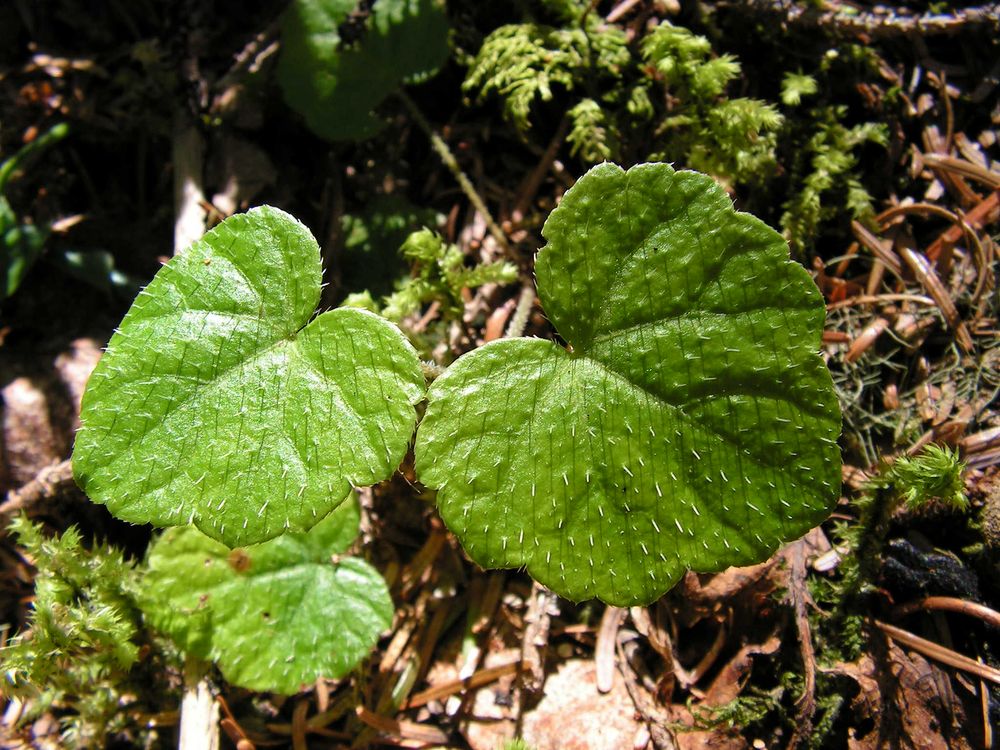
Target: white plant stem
(199,712)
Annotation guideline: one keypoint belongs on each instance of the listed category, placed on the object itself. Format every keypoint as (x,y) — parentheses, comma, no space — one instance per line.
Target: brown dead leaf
(713,587)
(901,703)
(746,591)
(726,687)
(699,595)
(728,684)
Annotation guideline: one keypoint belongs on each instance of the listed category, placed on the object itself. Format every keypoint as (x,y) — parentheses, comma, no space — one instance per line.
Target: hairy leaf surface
(690,424)
(336,82)
(273,616)
(219,403)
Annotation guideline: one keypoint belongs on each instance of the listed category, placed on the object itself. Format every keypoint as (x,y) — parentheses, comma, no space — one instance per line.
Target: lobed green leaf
(219,403)
(274,616)
(690,424)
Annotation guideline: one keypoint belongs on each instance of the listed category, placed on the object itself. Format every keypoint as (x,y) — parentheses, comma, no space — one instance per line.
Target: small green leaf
(273,616)
(336,83)
(20,246)
(691,425)
(218,403)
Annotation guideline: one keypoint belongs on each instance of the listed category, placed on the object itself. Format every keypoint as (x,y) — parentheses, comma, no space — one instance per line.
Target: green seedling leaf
(219,403)
(21,242)
(274,616)
(339,61)
(689,425)
(20,246)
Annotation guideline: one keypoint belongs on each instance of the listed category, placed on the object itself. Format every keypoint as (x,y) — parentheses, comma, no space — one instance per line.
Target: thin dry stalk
(621,9)
(880,22)
(406,730)
(950,604)
(537,622)
(477,680)
(879,299)
(980,442)
(881,249)
(938,652)
(655,717)
(963,167)
(529,187)
(887,217)
(689,678)
(983,213)
(444,152)
(866,339)
(299,727)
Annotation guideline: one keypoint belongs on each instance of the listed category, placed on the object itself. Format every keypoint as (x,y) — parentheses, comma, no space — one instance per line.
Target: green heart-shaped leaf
(692,425)
(273,616)
(336,83)
(218,403)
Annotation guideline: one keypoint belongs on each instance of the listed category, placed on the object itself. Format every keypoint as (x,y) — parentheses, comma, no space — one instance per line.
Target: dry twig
(799,595)
(477,680)
(537,621)
(50,482)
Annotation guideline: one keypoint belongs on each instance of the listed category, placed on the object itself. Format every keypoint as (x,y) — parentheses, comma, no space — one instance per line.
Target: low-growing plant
(439,274)
(935,474)
(371,261)
(825,170)
(688,422)
(524,63)
(224,403)
(666,95)
(83,637)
